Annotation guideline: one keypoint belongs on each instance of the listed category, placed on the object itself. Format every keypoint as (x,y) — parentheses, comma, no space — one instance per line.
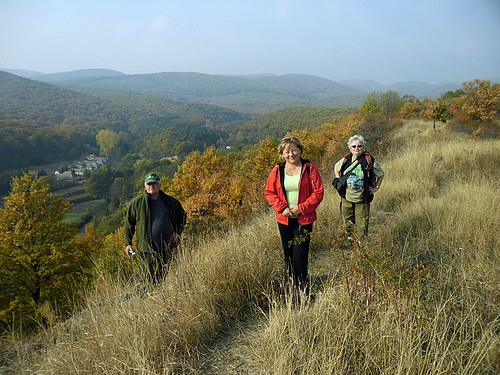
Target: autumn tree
(481,99)
(438,111)
(411,107)
(39,261)
(111,261)
(452,94)
(410,110)
(198,184)
(337,136)
(258,161)
(218,190)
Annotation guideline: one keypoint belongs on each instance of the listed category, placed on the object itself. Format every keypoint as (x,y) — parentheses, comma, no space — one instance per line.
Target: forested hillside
(52,129)
(283,121)
(415,88)
(42,123)
(246,94)
(27,99)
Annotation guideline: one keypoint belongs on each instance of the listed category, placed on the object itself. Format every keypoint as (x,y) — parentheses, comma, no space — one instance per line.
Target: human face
(152,188)
(291,153)
(356,148)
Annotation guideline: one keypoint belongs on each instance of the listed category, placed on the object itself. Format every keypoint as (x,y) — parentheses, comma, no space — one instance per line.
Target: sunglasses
(357,146)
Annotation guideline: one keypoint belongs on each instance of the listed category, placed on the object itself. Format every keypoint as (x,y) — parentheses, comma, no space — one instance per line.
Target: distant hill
(247,94)
(23,73)
(23,98)
(63,76)
(364,85)
(421,89)
(79,74)
(416,88)
(43,123)
(47,103)
(252,93)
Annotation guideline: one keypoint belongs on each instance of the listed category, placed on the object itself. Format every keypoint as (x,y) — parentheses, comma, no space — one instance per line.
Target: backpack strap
(369,160)
(345,163)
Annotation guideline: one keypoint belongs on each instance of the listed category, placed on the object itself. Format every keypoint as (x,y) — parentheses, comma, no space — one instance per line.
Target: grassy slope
(428,302)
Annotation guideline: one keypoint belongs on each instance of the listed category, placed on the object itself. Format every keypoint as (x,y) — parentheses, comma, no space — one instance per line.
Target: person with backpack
(358,177)
(294,190)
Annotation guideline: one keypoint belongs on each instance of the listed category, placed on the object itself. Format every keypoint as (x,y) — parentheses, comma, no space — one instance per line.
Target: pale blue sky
(382,40)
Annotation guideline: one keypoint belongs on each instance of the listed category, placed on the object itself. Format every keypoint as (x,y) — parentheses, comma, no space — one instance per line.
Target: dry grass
(128,327)
(436,308)
(430,271)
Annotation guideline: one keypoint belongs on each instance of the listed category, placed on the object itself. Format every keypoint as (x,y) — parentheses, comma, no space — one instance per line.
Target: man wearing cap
(157,220)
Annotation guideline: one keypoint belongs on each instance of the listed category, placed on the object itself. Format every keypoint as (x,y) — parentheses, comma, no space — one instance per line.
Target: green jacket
(138,220)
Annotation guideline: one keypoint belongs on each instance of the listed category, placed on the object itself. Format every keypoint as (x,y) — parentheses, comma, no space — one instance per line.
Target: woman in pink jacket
(295,189)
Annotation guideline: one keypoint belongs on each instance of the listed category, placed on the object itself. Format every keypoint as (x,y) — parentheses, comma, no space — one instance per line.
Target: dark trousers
(156,262)
(295,240)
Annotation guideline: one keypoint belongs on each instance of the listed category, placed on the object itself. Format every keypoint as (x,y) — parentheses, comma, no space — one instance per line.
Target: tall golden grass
(420,296)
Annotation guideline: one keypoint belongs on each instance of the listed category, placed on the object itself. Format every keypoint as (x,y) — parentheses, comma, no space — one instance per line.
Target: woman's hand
(295,212)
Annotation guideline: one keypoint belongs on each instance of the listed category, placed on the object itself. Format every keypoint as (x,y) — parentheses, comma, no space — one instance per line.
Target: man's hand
(129,250)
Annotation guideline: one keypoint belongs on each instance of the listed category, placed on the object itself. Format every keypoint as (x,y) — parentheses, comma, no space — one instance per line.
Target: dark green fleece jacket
(138,220)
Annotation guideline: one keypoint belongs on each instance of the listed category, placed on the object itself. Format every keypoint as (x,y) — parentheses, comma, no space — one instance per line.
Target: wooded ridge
(244,93)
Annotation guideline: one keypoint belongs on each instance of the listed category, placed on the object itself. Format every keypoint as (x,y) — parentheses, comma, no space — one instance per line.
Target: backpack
(366,160)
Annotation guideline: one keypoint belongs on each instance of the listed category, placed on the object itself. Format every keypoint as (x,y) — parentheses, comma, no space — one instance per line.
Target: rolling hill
(251,94)
(415,88)
(32,99)
(43,123)
(246,94)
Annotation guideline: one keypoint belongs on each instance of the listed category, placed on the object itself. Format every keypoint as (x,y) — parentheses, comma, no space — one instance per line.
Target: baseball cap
(152,177)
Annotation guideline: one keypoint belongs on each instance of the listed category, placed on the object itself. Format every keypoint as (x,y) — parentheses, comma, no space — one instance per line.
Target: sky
(386,41)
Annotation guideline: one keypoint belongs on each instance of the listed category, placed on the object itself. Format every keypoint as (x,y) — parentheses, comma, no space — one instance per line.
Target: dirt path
(230,352)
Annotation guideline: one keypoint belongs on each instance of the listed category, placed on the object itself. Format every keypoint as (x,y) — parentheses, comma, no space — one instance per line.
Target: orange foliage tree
(411,110)
(337,136)
(254,167)
(481,99)
(110,261)
(212,192)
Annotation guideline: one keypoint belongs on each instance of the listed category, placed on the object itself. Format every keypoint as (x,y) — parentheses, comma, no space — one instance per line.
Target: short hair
(356,137)
(287,140)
